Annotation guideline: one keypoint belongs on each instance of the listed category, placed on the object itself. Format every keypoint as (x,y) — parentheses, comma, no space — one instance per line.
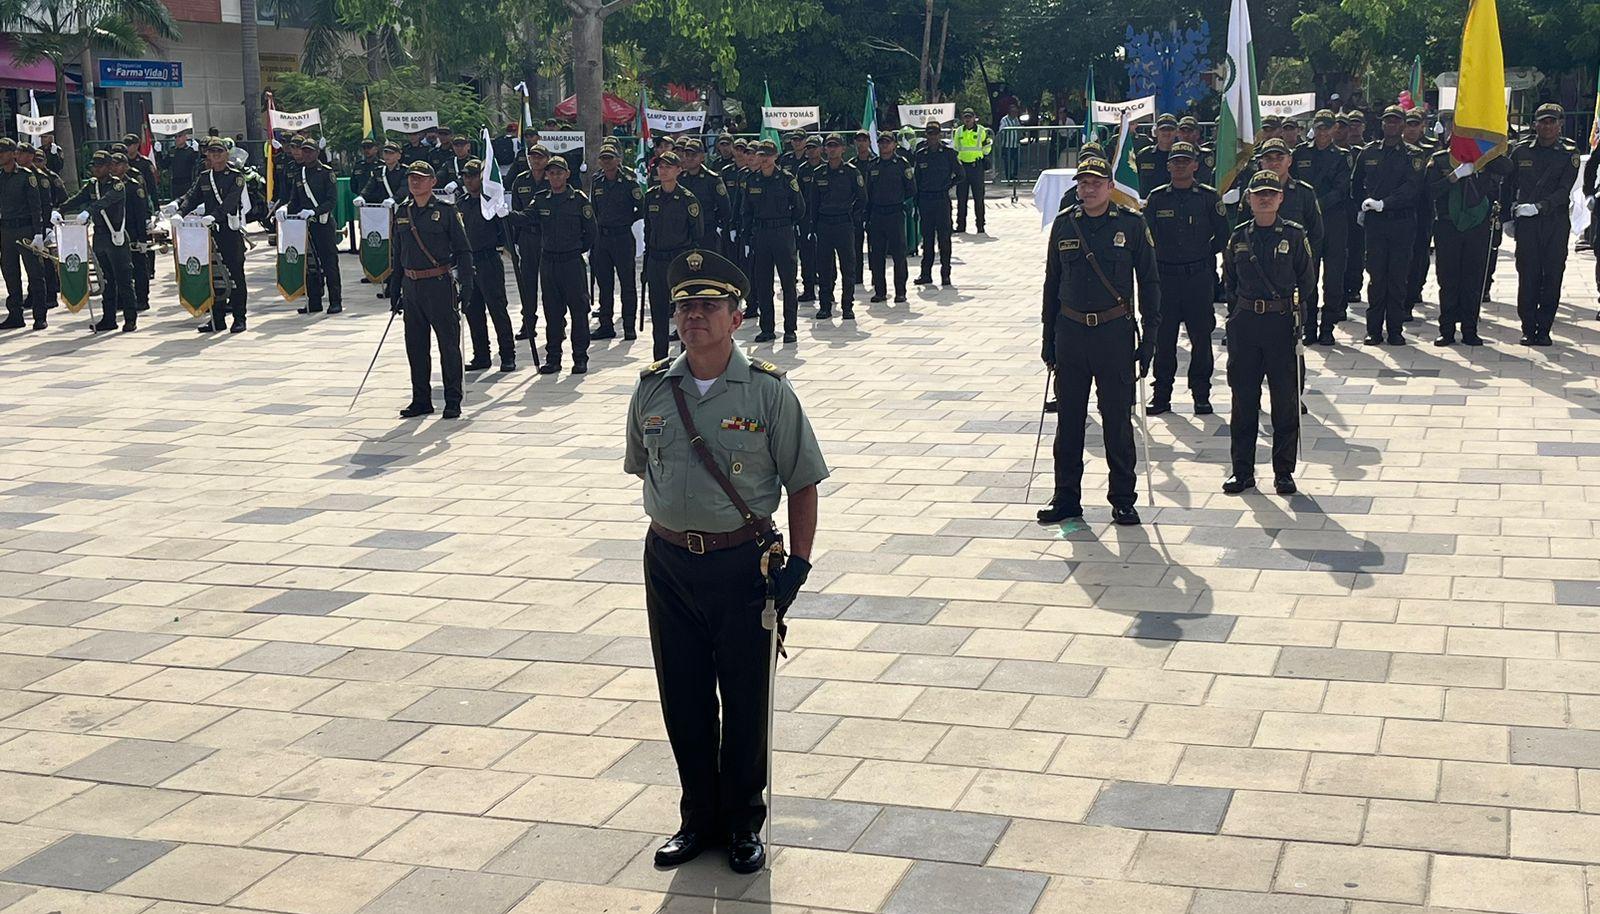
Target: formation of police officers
(1331,204)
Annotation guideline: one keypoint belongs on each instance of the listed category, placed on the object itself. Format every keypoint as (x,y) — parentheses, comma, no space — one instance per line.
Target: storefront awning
(39,75)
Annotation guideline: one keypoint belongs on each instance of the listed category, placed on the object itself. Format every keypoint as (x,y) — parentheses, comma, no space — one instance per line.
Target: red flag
(147,147)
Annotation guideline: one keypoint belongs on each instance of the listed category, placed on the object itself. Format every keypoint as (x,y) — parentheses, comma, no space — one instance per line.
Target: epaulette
(1290,223)
(1567,145)
(655,368)
(767,368)
(1158,190)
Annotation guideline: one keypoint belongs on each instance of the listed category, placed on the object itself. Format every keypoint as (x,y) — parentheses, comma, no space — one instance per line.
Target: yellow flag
(366,117)
(1480,122)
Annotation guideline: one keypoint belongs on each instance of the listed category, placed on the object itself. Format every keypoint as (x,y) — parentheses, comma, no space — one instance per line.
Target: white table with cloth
(1047,192)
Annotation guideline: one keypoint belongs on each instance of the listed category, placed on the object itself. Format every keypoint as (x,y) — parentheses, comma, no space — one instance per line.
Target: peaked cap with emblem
(705,274)
(1092,167)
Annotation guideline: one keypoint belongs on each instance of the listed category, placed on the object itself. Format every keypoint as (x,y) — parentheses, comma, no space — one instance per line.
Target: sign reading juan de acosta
(409,121)
(141,74)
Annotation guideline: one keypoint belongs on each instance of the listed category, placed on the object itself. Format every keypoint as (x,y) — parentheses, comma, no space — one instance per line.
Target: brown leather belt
(428,273)
(1095,318)
(701,543)
(1266,305)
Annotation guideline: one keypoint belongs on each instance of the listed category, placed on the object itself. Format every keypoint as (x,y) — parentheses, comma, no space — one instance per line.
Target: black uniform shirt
(1328,172)
(103,199)
(228,183)
(1152,165)
(439,238)
(20,199)
(937,170)
(1541,175)
(1392,174)
(890,182)
(1282,252)
(618,202)
(386,184)
(709,189)
(1188,224)
(837,193)
(1121,243)
(772,197)
(673,220)
(565,221)
(482,234)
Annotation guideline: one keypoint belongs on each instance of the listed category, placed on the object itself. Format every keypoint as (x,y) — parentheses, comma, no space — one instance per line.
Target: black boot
(1058,512)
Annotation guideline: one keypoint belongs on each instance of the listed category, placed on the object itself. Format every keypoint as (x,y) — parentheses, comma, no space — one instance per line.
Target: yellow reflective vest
(972,145)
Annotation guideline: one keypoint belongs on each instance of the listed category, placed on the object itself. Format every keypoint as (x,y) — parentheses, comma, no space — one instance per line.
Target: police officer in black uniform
(528,184)
(1326,166)
(311,194)
(1187,222)
(937,169)
(805,172)
(1353,125)
(708,188)
(486,234)
(1464,205)
(1189,132)
(1414,133)
(102,200)
(386,178)
(891,184)
(564,220)
(1299,205)
(220,190)
(139,210)
(862,156)
(1267,262)
(21,220)
(1090,336)
(618,204)
(774,209)
(1388,182)
(674,222)
(836,205)
(52,192)
(183,163)
(1534,210)
(428,237)
(1151,161)
(455,164)
(416,150)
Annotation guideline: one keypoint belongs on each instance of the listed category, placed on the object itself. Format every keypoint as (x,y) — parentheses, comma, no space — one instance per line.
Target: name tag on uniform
(402,221)
(1241,248)
(653,426)
(822,182)
(1283,246)
(755,189)
(1067,244)
(1526,163)
(1148,166)
(544,212)
(655,207)
(1119,240)
(1165,213)
(1369,161)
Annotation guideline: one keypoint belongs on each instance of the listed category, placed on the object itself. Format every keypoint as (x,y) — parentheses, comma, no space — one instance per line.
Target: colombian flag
(1480,125)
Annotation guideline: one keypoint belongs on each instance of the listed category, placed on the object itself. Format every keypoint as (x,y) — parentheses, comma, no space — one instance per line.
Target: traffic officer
(937,169)
(1188,224)
(21,220)
(138,207)
(102,200)
(428,237)
(1151,161)
(974,143)
(1090,336)
(1388,182)
(891,184)
(618,204)
(674,222)
(528,184)
(1189,132)
(486,234)
(1326,166)
(1464,205)
(708,188)
(1266,263)
(1534,210)
(837,204)
(1413,132)
(564,220)
(311,193)
(805,173)
(218,195)
(774,209)
(51,194)
(716,437)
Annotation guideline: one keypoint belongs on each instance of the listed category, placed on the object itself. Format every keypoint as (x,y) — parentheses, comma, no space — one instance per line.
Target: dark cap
(529,131)
(473,167)
(1292,120)
(100,157)
(795,135)
(130,138)
(692,145)
(215,145)
(118,147)
(1264,181)
(1092,149)
(557,163)
(1323,118)
(1182,150)
(766,148)
(1394,111)
(391,146)
(1190,121)
(1272,120)
(1414,116)
(668,158)
(537,149)
(1167,120)
(1273,146)
(724,137)
(741,143)
(1094,167)
(462,140)
(419,168)
(443,129)
(119,158)
(1549,109)
(368,141)
(886,136)
(968,112)
(608,152)
(705,274)
(833,139)
(813,143)
(861,135)
(1341,118)
(25,147)
(7,144)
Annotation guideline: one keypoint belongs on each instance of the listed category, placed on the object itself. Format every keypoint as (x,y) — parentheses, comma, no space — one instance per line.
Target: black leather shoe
(745,853)
(604,333)
(452,411)
(1057,513)
(1526,340)
(336,308)
(1283,484)
(1396,339)
(944,280)
(1325,338)
(1471,339)
(806,298)
(238,325)
(765,336)
(550,368)
(1125,516)
(508,364)
(522,333)
(130,325)
(39,322)
(207,327)
(1543,339)
(679,849)
(1051,407)
(878,297)
(789,336)
(309,310)
(580,367)
(13,322)
(1158,407)
(1373,340)
(901,299)
(1203,408)
(630,334)
(848,313)
(105,324)
(415,410)
(922,281)
(476,365)
(823,313)
(1445,340)
(1236,484)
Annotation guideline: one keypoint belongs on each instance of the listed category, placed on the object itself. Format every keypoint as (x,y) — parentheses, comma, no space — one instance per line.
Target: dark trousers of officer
(1186,300)
(835,257)
(859,237)
(1541,260)
(1355,261)
(705,633)
(1101,356)
(970,184)
(430,309)
(612,263)
(141,276)
(528,285)
(324,243)
(1389,242)
(887,228)
(808,266)
(935,225)
(116,266)
(488,302)
(230,250)
(1335,257)
(772,251)
(1420,260)
(566,295)
(655,273)
(43,295)
(11,238)
(1463,261)
(1262,347)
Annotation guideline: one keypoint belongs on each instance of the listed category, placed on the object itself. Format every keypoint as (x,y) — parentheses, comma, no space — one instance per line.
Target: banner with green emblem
(292,245)
(192,252)
(374,222)
(72,251)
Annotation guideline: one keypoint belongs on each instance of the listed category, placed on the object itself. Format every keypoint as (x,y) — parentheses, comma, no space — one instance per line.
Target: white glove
(1527,209)
(55,217)
(170,210)
(1372,205)
(450,188)
(1509,229)
(83,218)
(389,204)
(208,221)
(1231,197)
(49,236)
(360,201)
(502,208)
(305,214)
(1464,170)
(199,210)
(280,213)
(38,240)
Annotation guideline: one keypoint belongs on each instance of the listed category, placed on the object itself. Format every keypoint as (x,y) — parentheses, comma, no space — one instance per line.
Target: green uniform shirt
(754,425)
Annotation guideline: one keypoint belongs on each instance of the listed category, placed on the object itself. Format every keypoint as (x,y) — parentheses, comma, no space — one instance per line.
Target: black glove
(1144,353)
(1048,353)
(788,580)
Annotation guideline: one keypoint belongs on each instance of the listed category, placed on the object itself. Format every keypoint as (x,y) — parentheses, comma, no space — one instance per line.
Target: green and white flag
(494,186)
(1240,117)
(374,223)
(1124,171)
(292,258)
(72,247)
(1088,108)
(192,254)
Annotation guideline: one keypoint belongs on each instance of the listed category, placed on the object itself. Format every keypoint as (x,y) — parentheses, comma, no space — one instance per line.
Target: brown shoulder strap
(698,444)
(1094,262)
(417,237)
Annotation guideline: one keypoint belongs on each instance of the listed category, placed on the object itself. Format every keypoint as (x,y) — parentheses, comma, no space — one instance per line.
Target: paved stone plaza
(260,653)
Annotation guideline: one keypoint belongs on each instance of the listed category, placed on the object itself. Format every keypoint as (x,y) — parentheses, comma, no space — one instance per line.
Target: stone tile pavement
(262,653)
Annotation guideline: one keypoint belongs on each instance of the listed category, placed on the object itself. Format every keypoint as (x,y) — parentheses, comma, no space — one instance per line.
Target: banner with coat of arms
(192,253)
(292,247)
(374,223)
(72,249)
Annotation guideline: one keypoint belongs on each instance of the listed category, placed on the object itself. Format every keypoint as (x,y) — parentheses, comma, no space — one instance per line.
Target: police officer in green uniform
(102,200)
(386,179)
(1464,203)
(311,194)
(1187,222)
(416,150)
(1534,210)
(1326,166)
(486,303)
(862,156)
(1151,161)
(937,169)
(674,222)
(1267,262)
(138,208)
(1355,264)
(1090,336)
(564,220)
(837,203)
(1388,182)
(891,184)
(218,196)
(717,437)
(774,209)
(428,236)
(973,143)
(618,204)
(21,220)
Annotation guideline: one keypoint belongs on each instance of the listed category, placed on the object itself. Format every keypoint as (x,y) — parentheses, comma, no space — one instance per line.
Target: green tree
(339,98)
